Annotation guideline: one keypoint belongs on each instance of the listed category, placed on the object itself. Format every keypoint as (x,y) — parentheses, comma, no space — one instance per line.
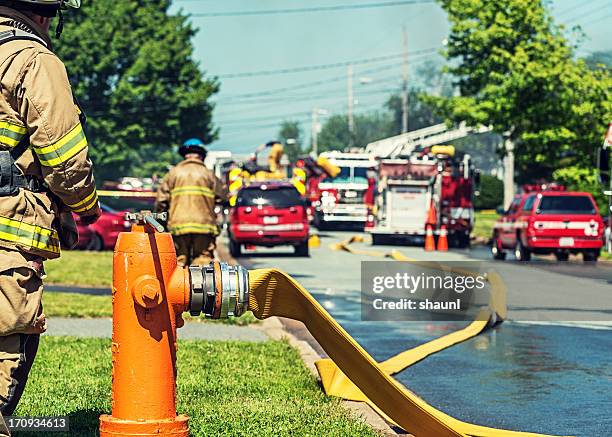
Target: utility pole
(405,83)
(316,128)
(315,133)
(351,100)
(508,170)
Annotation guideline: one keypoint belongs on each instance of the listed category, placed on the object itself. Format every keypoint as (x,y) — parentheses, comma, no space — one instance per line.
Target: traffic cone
(430,245)
(432,216)
(443,239)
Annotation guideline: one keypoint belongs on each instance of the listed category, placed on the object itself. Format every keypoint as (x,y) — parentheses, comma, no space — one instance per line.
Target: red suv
(556,222)
(269,214)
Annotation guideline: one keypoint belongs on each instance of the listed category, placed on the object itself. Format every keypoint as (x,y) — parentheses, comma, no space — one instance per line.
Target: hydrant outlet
(218,290)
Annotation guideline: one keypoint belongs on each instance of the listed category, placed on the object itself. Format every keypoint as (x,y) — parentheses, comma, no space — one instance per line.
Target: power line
(585,14)
(233,98)
(597,20)
(315,67)
(307,10)
(574,7)
(424,53)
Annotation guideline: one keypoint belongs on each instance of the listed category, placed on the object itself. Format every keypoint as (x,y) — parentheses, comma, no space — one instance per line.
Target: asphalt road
(546,369)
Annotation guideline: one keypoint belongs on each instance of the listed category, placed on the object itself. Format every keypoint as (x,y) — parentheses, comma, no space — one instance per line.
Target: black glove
(90,219)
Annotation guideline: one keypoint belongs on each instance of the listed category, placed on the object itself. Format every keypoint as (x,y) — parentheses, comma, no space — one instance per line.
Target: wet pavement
(552,374)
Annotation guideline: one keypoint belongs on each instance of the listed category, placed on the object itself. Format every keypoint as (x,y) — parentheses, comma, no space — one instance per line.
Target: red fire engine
(428,187)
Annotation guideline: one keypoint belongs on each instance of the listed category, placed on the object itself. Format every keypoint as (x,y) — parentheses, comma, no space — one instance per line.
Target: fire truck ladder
(403,144)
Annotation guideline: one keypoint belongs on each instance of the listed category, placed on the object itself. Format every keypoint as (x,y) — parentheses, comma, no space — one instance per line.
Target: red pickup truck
(557,222)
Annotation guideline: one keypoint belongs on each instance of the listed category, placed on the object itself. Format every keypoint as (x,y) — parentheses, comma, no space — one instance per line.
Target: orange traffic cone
(430,245)
(432,216)
(443,239)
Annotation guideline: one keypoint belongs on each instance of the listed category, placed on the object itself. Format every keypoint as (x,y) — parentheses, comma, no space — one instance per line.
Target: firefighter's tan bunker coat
(189,193)
(36,107)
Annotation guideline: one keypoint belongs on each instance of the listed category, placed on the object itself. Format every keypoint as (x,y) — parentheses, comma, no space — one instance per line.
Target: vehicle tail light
(370,221)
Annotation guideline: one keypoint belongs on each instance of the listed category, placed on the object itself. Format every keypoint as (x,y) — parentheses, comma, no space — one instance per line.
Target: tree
(290,130)
(420,113)
(491,193)
(131,64)
(368,127)
(515,72)
(583,179)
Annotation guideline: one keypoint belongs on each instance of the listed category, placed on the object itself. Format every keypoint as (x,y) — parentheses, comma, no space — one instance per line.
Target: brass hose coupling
(218,290)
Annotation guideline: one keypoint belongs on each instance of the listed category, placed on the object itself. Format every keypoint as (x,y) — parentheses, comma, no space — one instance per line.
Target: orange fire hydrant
(149,294)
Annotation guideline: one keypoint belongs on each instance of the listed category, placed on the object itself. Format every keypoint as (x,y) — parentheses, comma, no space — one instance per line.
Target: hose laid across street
(274,293)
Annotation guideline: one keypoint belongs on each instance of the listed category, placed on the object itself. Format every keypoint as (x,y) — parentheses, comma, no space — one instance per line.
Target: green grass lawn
(227,388)
(483,224)
(87,269)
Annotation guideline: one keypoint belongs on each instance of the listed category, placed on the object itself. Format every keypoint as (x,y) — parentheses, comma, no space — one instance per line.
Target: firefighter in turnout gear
(45,176)
(189,192)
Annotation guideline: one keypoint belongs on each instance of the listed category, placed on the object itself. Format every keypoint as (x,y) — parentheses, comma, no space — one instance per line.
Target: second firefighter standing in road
(189,193)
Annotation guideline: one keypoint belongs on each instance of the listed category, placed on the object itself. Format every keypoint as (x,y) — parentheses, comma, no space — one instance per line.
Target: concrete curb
(275,328)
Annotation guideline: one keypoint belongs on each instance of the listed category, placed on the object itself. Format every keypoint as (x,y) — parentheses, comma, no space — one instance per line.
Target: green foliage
(420,113)
(583,179)
(515,71)
(483,225)
(369,127)
(132,68)
(491,193)
(290,130)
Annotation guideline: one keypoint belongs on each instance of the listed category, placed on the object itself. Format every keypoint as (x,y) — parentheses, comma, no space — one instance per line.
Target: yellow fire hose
(351,373)
(274,293)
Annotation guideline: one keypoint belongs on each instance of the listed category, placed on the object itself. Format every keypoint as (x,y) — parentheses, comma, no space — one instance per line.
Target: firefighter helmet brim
(57,4)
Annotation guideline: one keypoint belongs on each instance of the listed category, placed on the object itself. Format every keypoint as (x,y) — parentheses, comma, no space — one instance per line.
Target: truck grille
(351,197)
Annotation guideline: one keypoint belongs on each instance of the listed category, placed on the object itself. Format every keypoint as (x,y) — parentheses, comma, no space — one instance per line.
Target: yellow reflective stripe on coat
(86,204)
(64,149)
(29,235)
(11,133)
(194,228)
(192,190)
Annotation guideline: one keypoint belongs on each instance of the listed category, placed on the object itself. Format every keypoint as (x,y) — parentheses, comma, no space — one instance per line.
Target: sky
(255,57)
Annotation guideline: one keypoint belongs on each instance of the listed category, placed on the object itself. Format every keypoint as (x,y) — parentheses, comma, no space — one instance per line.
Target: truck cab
(342,198)
(429,187)
(549,222)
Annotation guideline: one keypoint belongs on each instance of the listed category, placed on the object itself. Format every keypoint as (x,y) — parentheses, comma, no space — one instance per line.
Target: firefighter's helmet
(43,7)
(193,145)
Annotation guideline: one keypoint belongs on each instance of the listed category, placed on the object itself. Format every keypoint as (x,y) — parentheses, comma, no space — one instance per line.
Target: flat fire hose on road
(274,293)
(369,381)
